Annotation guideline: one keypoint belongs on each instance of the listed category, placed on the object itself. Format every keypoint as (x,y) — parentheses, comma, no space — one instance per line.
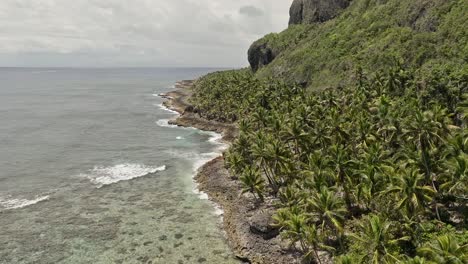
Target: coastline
(248,226)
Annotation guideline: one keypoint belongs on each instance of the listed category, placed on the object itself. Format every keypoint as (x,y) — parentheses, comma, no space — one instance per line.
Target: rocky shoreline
(248,225)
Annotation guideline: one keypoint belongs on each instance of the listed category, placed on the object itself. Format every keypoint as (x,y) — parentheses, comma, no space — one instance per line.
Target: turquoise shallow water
(91,173)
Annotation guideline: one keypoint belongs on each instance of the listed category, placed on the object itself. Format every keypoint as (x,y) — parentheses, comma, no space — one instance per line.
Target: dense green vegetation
(371,33)
(374,172)
(369,163)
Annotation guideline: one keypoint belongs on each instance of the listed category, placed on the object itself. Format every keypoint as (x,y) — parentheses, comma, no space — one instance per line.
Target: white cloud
(134,33)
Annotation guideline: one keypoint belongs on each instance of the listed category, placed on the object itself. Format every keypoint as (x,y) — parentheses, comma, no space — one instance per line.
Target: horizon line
(120,67)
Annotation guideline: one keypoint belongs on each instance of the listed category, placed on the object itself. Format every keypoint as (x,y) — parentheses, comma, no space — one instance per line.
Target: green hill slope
(371,34)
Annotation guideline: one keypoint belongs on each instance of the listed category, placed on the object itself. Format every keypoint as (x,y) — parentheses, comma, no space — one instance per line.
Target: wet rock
(201,260)
(179,236)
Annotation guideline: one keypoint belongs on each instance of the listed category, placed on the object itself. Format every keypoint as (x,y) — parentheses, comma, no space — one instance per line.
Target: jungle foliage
(375,172)
(357,131)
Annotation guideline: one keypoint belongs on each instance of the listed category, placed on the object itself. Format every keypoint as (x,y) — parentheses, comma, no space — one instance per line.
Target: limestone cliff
(313,11)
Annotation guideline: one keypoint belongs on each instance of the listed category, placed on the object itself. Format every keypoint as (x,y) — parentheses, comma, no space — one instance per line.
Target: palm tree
(445,250)
(456,177)
(291,195)
(375,240)
(235,162)
(372,170)
(260,118)
(412,194)
(425,131)
(294,133)
(245,126)
(252,182)
(328,208)
(316,171)
(457,145)
(341,163)
(278,158)
(314,242)
(261,154)
(292,222)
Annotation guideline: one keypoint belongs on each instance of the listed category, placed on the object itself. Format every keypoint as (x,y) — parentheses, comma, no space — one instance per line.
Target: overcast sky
(212,33)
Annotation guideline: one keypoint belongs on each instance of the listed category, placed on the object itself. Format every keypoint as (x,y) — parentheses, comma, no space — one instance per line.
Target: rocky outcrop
(261,223)
(263,51)
(260,54)
(313,11)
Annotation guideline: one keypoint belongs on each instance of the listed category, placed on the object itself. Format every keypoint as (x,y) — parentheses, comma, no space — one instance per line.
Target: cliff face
(313,11)
(362,34)
(260,54)
(264,51)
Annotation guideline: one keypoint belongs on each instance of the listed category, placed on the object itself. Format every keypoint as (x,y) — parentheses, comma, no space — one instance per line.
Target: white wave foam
(107,175)
(216,139)
(20,203)
(164,123)
(163,107)
(218,210)
(201,195)
(180,138)
(203,158)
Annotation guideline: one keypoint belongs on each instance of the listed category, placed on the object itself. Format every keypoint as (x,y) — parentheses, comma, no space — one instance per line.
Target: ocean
(91,171)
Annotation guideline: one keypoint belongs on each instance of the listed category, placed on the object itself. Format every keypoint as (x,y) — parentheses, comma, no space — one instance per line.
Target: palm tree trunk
(317,255)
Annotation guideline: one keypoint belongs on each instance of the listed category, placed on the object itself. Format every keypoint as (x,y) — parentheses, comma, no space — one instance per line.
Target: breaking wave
(164,123)
(20,203)
(122,172)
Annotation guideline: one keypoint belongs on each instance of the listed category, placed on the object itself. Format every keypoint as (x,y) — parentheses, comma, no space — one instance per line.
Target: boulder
(260,54)
(315,11)
(261,223)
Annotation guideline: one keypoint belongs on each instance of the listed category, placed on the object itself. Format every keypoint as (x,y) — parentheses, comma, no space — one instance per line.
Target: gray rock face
(260,54)
(261,223)
(313,11)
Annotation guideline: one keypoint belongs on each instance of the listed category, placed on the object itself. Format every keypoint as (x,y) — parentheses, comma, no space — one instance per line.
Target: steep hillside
(372,34)
(355,130)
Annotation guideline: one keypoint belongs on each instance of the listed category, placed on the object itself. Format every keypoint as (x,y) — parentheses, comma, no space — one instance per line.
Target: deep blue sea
(91,172)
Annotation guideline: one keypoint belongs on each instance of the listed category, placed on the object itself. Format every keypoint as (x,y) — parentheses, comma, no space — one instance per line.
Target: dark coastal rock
(261,223)
(260,54)
(313,11)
